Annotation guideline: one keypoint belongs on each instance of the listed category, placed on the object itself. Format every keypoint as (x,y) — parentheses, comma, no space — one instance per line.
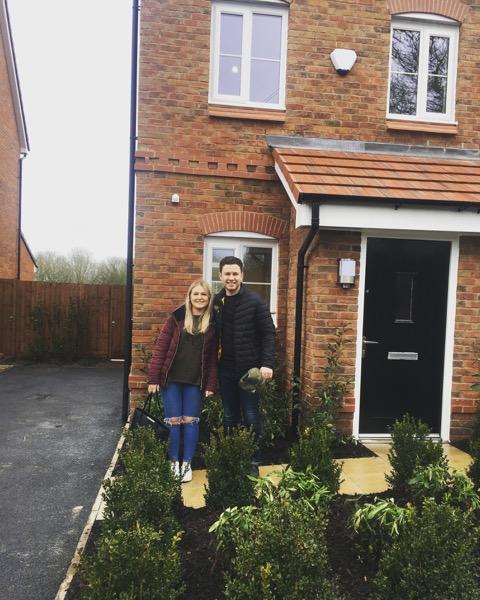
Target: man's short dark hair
(231,260)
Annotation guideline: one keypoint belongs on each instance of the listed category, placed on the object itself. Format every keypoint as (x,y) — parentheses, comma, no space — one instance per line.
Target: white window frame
(428,25)
(246,10)
(237,240)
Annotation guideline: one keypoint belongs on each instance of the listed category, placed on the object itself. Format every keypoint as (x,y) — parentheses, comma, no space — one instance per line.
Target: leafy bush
(292,486)
(147,492)
(411,448)
(453,488)
(434,556)
(377,523)
(212,413)
(275,409)
(314,449)
(282,556)
(329,396)
(228,459)
(139,564)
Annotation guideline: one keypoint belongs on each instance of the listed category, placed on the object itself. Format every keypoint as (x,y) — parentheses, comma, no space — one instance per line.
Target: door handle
(364,345)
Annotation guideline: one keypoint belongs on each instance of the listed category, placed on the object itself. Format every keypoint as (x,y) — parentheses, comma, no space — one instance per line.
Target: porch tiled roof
(326,174)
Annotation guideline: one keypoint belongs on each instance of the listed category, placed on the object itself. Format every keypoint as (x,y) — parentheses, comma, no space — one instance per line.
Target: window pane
(257,264)
(217,255)
(404,289)
(405,50)
(231,29)
(265,81)
(403,94)
(266,36)
(437,94)
(262,290)
(438,56)
(230,75)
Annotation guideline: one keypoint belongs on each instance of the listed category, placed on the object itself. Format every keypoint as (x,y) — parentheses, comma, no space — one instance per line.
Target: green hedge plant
(147,491)
(228,459)
(411,448)
(313,450)
(282,555)
(434,556)
(139,564)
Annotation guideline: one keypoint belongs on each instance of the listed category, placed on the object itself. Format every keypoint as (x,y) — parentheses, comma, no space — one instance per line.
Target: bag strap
(148,402)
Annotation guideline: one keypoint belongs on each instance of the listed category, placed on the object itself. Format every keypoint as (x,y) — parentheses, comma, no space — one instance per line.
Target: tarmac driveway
(58,430)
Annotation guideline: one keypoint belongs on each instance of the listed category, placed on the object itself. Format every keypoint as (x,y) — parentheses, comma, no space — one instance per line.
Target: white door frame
(454,239)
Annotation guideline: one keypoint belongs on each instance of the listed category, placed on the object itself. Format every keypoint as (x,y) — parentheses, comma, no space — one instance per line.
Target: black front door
(406,285)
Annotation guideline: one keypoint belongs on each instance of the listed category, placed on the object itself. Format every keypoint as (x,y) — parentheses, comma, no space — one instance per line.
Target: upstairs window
(423,61)
(249,48)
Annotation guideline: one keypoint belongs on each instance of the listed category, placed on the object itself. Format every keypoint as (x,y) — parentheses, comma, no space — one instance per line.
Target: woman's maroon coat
(166,347)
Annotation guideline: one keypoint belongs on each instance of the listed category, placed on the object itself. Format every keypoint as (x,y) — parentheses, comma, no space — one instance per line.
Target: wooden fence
(103,310)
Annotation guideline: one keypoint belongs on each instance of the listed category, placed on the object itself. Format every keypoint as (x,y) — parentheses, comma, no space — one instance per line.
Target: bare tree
(80,267)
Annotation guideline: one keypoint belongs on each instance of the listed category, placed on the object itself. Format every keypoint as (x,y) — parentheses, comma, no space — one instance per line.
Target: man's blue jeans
(239,407)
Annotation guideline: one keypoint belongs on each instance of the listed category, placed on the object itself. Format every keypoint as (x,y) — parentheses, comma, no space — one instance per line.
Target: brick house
(251,142)
(16,259)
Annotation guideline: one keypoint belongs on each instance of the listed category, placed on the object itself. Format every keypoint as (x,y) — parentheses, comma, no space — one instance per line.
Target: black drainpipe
(297,345)
(19,242)
(131,211)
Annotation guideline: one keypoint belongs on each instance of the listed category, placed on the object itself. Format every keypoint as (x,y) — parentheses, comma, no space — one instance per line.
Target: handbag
(143,417)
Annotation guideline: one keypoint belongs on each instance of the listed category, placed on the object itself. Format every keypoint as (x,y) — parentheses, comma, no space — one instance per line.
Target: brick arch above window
(243,221)
(453,9)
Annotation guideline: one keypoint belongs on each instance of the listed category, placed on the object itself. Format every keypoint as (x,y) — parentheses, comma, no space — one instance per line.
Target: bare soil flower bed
(203,576)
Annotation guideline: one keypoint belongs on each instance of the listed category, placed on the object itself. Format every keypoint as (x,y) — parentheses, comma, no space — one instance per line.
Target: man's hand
(266,372)
(153,387)
(208,394)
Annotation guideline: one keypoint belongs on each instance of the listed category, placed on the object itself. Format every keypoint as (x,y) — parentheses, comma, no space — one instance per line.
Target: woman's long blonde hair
(205,318)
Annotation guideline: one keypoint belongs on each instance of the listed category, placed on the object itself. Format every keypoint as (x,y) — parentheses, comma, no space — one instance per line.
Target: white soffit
(387,217)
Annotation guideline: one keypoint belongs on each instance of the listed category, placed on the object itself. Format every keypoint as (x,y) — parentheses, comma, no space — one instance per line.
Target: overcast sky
(73,58)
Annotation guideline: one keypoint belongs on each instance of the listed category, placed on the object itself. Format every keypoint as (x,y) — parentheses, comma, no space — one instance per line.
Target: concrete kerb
(95,513)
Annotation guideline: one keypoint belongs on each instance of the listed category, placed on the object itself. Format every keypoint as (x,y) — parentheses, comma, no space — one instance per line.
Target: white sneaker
(175,466)
(187,472)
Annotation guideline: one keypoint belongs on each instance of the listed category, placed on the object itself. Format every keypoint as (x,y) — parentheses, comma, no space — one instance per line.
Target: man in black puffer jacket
(247,339)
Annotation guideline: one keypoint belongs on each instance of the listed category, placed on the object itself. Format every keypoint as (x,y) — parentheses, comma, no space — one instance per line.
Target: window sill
(244,112)
(445,128)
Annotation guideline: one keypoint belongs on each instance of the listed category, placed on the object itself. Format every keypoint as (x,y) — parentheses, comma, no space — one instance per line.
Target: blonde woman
(184,366)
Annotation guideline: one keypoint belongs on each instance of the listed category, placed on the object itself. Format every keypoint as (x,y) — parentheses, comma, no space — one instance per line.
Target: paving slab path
(58,430)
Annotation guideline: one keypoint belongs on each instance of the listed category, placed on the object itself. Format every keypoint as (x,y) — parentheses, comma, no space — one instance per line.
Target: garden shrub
(228,459)
(275,409)
(283,556)
(140,564)
(411,448)
(211,416)
(329,396)
(437,482)
(434,556)
(292,486)
(376,524)
(147,492)
(314,449)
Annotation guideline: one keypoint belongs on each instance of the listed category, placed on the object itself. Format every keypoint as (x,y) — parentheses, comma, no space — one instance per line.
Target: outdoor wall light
(346,272)
(175,198)
(343,60)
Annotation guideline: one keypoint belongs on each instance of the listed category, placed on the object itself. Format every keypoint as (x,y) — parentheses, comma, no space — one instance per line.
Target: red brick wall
(9,155)
(174,76)
(208,161)
(170,242)
(466,358)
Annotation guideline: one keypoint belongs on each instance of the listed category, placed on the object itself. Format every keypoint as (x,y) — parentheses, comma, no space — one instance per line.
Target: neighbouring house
(16,259)
(350,189)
